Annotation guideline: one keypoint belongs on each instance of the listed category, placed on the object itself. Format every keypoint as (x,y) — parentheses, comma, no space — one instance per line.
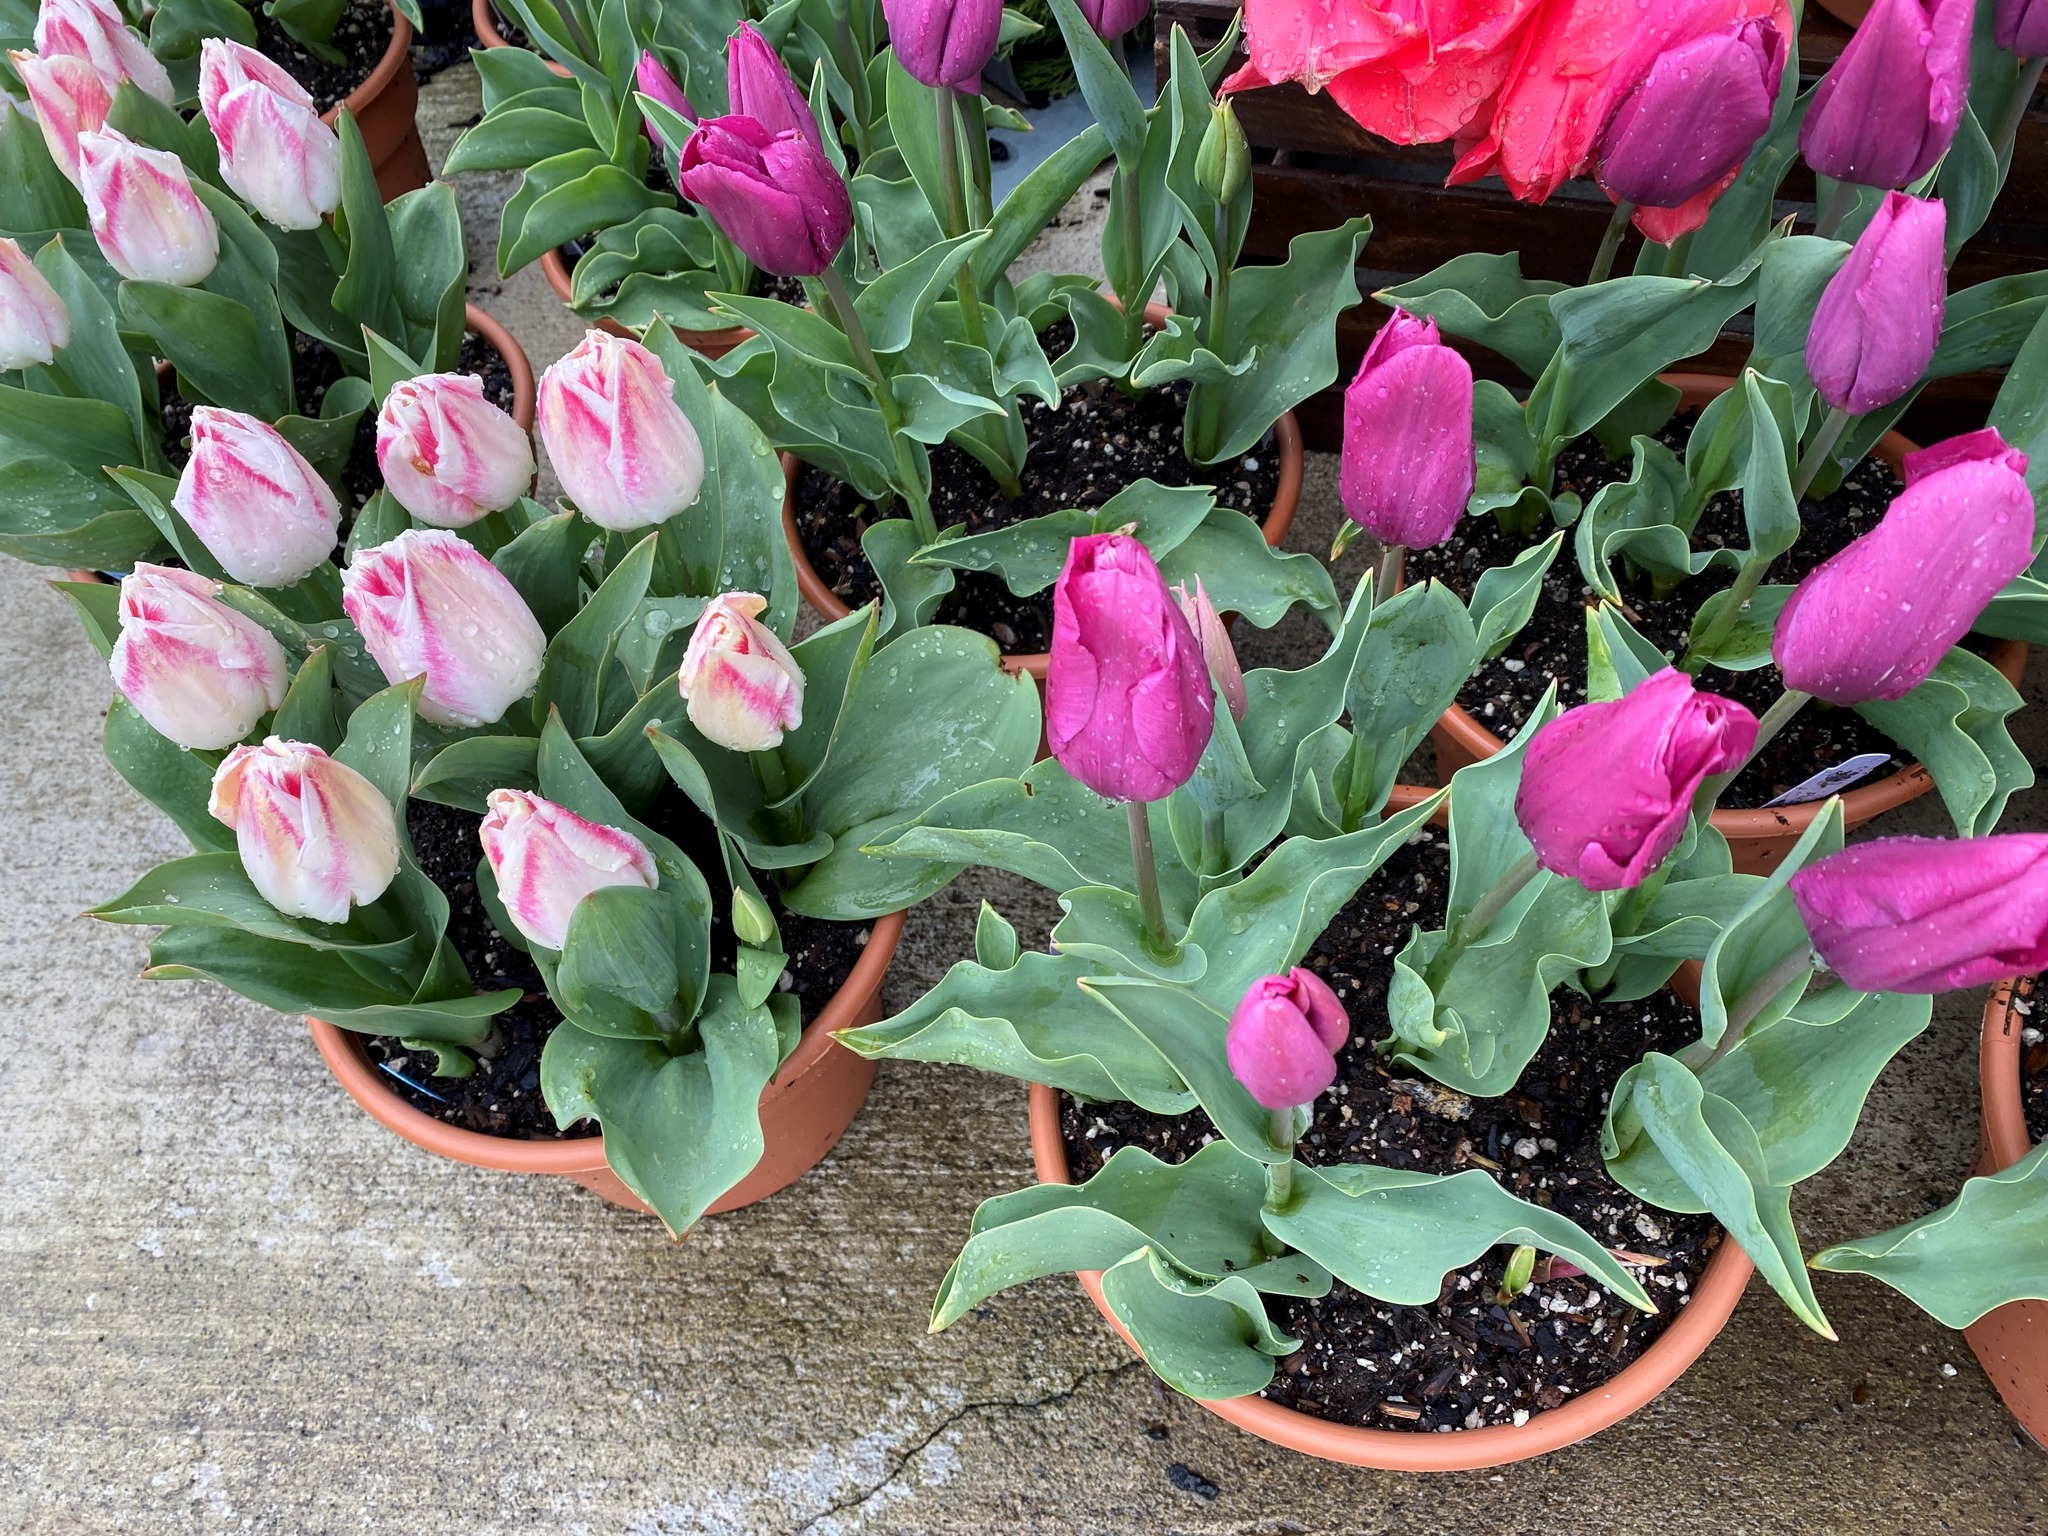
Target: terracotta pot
(710,343)
(1758,839)
(805,1108)
(503,343)
(385,108)
(483,16)
(2010,1342)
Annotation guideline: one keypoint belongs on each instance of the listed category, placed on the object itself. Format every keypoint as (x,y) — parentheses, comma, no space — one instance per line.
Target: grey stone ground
(234,1302)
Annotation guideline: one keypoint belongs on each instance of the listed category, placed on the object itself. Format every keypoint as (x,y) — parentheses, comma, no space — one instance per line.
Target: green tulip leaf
(1956,723)
(1486,299)
(1209,1339)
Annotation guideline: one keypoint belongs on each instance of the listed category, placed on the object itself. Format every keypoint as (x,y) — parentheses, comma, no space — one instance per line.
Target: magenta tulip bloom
(259,508)
(1873,620)
(1409,461)
(201,673)
(1128,705)
(623,449)
(1606,788)
(1888,109)
(652,79)
(2022,26)
(546,859)
(274,150)
(1111,19)
(34,324)
(1693,118)
(1284,1037)
(1879,319)
(430,605)
(945,42)
(315,836)
(69,98)
(759,86)
(149,223)
(447,454)
(1929,914)
(1214,638)
(774,194)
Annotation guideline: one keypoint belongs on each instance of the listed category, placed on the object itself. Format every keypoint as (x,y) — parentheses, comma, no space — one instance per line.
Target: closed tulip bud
(1409,461)
(1879,318)
(742,687)
(2022,26)
(94,31)
(447,454)
(1111,19)
(775,195)
(1284,1037)
(1223,162)
(148,221)
(1889,108)
(1871,621)
(69,98)
(315,836)
(34,324)
(1693,118)
(944,42)
(752,922)
(1606,788)
(431,606)
(1214,639)
(621,446)
(546,859)
(274,150)
(652,79)
(758,85)
(1929,914)
(199,672)
(1128,705)
(259,508)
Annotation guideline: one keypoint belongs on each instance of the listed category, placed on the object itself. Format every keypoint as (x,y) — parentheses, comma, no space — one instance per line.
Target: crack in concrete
(965,1410)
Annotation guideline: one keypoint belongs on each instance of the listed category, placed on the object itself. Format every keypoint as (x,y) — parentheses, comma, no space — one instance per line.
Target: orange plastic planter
(2010,1342)
(710,343)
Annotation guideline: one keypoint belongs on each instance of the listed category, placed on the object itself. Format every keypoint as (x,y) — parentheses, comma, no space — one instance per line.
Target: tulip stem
(1794,966)
(1493,903)
(1280,1176)
(957,224)
(1817,451)
(851,58)
(2022,98)
(1829,217)
(1772,721)
(1146,869)
(1386,579)
(1610,242)
(910,485)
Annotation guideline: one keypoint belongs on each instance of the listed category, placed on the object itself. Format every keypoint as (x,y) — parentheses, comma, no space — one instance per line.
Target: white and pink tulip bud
(742,687)
(429,605)
(148,221)
(274,150)
(94,31)
(625,452)
(69,98)
(315,836)
(259,508)
(1214,639)
(546,859)
(449,455)
(34,324)
(199,672)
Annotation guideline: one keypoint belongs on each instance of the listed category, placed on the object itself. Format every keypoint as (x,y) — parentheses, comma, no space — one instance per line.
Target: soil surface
(1553,644)
(361,36)
(1095,444)
(2034,1068)
(502,1097)
(1468,1359)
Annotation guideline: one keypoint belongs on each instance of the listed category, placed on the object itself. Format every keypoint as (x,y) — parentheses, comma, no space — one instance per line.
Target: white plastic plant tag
(1830,780)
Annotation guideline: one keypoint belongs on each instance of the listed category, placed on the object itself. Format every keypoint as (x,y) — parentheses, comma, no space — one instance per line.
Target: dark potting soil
(446,40)
(1095,444)
(510,30)
(361,36)
(1553,643)
(502,1097)
(1468,1359)
(2033,1065)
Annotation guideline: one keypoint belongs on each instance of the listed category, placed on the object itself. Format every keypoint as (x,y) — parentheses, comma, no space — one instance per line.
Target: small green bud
(1521,1270)
(751,919)
(1224,162)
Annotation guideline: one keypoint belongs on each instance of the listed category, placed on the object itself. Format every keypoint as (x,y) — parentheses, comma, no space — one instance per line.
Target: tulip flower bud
(621,446)
(1223,163)
(1128,705)
(1694,116)
(652,79)
(199,672)
(759,85)
(944,42)
(751,919)
(1889,108)
(1879,318)
(148,221)
(430,605)
(1409,462)
(1606,788)
(546,859)
(447,454)
(94,31)
(1214,640)
(1111,19)
(1929,914)
(315,836)
(2022,26)
(69,98)
(259,508)
(1284,1037)
(1871,621)
(774,194)
(743,688)
(34,324)
(274,150)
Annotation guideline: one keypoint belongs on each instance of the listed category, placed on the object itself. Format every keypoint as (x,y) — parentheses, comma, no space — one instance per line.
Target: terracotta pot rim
(1719,1288)
(483,16)
(558,274)
(493,330)
(397,53)
(2006,1139)
(343,1052)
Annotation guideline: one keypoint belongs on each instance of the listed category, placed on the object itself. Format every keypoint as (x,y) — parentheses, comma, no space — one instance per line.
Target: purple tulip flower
(1113,18)
(2022,26)
(1409,461)
(1879,319)
(944,42)
(1694,116)
(774,194)
(1888,109)
(1284,1037)
(759,85)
